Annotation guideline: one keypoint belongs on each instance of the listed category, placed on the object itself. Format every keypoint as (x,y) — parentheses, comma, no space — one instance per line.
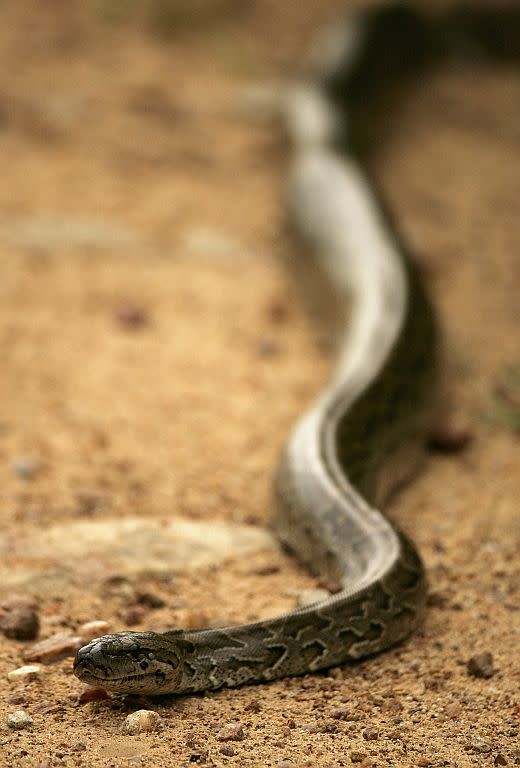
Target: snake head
(133,662)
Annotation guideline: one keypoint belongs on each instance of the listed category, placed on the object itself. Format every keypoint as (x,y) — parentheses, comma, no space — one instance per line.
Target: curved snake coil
(361,438)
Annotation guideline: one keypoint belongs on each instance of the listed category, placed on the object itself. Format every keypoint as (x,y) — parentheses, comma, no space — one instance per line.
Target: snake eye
(144,664)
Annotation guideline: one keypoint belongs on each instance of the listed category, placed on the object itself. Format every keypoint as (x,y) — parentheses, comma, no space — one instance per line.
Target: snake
(362,438)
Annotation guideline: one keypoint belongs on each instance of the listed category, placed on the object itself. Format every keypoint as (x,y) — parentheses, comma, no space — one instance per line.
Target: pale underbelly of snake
(362,437)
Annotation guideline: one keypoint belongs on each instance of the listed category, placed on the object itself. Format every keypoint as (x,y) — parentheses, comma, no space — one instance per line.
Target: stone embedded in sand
(227,750)
(94,549)
(25,674)
(54,648)
(481,665)
(231,732)
(20,623)
(93,693)
(451,435)
(91,629)
(142,721)
(480,745)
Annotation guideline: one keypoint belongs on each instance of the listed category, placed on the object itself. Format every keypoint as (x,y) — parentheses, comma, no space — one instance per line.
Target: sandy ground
(154,355)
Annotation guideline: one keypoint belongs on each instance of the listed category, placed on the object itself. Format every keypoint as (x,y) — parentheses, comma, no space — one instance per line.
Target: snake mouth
(119,681)
(87,675)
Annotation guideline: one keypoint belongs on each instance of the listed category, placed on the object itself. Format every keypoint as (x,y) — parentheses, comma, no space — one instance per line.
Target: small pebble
(453,710)
(20,623)
(26,468)
(481,665)
(391,706)
(18,720)
(17,699)
(92,693)
(500,759)
(53,648)
(450,436)
(91,629)
(357,757)
(436,600)
(277,312)
(88,501)
(310,597)
(142,721)
(370,734)
(329,726)
(26,674)
(150,600)
(480,745)
(340,713)
(227,750)
(268,348)
(285,764)
(423,762)
(231,732)
(131,316)
(311,727)
(133,615)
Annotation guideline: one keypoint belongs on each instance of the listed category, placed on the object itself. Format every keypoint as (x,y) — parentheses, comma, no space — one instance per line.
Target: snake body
(360,440)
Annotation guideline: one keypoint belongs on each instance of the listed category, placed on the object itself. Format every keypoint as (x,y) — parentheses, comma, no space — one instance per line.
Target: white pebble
(142,721)
(18,720)
(25,674)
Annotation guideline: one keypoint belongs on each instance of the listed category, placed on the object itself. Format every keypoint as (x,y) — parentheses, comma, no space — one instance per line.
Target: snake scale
(361,439)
